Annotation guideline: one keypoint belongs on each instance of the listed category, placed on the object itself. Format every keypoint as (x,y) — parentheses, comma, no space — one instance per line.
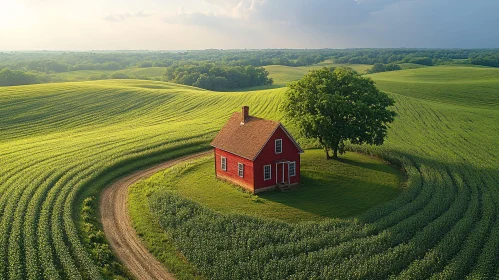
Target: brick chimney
(245,114)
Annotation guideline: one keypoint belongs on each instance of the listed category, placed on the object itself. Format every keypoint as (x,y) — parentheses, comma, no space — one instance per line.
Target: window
(278,146)
(240,170)
(224,163)
(292,168)
(267,174)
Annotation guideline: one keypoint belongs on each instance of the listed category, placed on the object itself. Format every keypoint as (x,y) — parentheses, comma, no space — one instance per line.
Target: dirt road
(118,227)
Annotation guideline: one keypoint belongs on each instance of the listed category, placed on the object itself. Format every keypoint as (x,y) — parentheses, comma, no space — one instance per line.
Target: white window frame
(280,146)
(270,172)
(223,163)
(293,163)
(240,169)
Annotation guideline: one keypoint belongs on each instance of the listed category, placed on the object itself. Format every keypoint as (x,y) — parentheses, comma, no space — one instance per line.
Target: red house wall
(232,172)
(268,156)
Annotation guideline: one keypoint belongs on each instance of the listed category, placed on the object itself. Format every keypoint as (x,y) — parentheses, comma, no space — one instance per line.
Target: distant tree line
(57,62)
(380,67)
(217,77)
(36,67)
(485,59)
(429,57)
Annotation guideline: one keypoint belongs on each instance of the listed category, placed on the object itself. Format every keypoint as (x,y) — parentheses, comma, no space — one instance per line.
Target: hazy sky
(228,24)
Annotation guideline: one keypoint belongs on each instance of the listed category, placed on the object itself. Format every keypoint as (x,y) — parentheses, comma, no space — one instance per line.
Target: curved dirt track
(118,227)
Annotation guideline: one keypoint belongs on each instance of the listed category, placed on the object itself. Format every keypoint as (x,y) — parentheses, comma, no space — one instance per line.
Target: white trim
(270,172)
(275,147)
(223,163)
(283,172)
(294,168)
(240,170)
(276,172)
(300,150)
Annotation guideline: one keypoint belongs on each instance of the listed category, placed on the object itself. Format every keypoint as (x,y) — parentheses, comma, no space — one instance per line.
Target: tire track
(118,228)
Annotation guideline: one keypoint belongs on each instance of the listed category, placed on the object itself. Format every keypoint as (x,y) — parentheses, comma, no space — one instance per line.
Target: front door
(282,172)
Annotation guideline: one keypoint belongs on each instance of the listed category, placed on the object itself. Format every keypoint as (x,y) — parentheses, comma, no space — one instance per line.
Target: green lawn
(330,189)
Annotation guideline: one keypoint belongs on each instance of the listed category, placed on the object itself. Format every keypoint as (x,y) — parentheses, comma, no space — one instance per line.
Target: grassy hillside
(459,85)
(84,75)
(63,142)
(406,66)
(283,75)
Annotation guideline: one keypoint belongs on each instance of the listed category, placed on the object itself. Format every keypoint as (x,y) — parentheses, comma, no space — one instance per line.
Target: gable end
(300,150)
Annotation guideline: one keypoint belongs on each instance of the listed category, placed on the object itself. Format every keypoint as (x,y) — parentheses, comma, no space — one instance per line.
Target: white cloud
(73,24)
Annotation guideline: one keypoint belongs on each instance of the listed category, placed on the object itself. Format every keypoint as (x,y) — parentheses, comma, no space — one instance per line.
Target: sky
(251,24)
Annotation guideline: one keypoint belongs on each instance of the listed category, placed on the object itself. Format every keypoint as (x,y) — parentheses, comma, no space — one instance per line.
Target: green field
(282,75)
(62,142)
(84,75)
(406,66)
(456,85)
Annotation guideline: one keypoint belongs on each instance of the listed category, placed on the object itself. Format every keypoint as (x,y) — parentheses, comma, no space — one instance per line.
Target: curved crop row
(63,142)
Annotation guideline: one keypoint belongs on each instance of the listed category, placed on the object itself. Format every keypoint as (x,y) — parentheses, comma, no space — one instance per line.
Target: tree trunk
(335,153)
(326,149)
(336,145)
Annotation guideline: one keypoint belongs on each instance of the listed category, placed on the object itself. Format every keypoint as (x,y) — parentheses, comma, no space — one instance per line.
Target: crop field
(60,143)
(458,85)
(443,227)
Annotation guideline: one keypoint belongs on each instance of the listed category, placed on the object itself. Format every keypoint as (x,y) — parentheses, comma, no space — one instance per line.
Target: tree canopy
(380,67)
(10,77)
(338,105)
(217,76)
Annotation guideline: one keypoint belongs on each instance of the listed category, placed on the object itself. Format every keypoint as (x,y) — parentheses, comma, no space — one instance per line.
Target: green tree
(377,68)
(10,77)
(119,75)
(338,106)
(204,81)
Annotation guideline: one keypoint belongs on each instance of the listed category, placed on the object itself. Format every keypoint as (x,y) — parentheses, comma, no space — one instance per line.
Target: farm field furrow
(60,143)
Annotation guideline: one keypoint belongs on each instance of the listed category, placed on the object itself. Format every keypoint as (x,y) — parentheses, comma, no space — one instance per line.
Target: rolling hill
(84,75)
(62,142)
(282,75)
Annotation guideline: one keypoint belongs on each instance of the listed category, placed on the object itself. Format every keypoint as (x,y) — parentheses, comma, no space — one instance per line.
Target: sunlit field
(62,142)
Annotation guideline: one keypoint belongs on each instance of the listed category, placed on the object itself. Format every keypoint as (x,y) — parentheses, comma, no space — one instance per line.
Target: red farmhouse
(256,154)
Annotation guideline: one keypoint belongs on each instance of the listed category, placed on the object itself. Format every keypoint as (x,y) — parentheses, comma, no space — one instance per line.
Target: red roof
(248,139)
